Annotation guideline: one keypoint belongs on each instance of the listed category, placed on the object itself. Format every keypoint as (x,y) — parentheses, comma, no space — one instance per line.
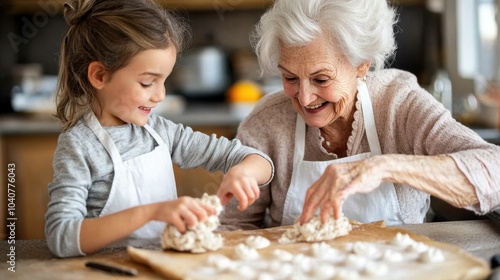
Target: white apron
(145,179)
(380,204)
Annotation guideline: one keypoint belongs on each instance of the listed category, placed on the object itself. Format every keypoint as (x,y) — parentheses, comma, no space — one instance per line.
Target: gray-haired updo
(362,29)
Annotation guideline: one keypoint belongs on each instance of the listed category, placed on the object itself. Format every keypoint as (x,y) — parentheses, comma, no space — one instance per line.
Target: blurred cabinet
(33,154)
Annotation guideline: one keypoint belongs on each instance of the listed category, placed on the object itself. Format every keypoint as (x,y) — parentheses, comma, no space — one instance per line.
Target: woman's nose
(305,93)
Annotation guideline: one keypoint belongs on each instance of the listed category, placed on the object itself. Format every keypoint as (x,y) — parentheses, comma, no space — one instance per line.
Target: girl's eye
(144,85)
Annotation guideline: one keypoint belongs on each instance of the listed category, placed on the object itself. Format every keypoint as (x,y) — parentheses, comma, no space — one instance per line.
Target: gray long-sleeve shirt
(83,170)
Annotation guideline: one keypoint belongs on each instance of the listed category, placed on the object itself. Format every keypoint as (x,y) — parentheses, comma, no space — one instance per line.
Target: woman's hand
(436,175)
(338,182)
(242,181)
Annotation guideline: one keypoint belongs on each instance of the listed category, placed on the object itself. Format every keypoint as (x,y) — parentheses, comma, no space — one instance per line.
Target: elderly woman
(348,137)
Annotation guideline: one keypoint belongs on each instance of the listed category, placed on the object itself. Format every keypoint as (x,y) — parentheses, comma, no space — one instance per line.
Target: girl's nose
(159,95)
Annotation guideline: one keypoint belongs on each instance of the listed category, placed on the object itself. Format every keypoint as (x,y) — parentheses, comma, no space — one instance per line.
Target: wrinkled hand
(183,212)
(243,187)
(338,182)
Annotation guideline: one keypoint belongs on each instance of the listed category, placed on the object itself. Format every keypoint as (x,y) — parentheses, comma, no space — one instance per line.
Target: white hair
(361,29)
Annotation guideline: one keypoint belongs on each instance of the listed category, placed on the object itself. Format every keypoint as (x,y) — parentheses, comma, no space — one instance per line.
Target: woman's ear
(363,69)
(96,74)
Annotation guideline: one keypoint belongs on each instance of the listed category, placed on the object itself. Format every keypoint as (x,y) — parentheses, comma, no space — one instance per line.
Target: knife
(120,270)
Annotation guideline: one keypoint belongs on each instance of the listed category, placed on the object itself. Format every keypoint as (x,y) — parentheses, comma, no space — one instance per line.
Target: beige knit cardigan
(408,120)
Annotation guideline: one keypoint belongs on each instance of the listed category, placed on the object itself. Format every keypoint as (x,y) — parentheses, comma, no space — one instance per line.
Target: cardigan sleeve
(425,127)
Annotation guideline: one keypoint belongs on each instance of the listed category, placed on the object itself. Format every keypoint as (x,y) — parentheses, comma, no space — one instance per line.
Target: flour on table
(314,230)
(201,237)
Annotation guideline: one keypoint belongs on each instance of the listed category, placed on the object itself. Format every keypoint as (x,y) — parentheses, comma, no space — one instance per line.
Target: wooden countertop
(33,259)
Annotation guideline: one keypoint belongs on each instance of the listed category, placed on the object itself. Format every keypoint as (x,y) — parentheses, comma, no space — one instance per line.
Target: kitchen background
(453,58)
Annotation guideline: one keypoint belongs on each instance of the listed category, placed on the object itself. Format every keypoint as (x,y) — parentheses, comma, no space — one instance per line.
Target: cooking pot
(202,73)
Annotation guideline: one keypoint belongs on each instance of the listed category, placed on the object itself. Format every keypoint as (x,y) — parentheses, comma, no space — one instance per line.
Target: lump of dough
(433,255)
(282,255)
(323,271)
(418,247)
(201,237)
(375,269)
(221,262)
(257,242)
(314,230)
(392,256)
(243,252)
(365,249)
(402,240)
(325,252)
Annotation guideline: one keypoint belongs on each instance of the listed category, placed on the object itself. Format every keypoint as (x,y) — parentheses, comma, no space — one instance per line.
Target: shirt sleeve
(67,197)
(191,149)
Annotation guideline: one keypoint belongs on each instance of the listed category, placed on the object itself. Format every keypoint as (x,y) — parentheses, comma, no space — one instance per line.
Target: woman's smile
(314,109)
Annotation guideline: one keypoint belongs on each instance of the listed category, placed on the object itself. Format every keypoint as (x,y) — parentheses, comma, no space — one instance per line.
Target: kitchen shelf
(49,6)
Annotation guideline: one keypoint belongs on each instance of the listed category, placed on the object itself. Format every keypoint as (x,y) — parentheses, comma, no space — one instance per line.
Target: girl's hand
(240,185)
(183,212)
(337,183)
(242,180)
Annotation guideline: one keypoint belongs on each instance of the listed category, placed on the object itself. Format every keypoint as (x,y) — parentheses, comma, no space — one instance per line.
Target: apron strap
(155,135)
(368,117)
(300,132)
(104,137)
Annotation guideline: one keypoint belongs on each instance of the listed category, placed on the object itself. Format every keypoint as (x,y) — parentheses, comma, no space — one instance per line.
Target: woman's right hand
(339,181)
(183,212)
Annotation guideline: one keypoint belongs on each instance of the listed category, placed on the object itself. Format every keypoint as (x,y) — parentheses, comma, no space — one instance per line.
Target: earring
(364,78)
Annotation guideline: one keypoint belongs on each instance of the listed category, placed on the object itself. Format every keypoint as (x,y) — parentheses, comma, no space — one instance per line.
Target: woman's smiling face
(319,81)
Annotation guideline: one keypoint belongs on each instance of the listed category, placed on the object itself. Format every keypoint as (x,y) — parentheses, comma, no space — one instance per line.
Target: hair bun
(76,11)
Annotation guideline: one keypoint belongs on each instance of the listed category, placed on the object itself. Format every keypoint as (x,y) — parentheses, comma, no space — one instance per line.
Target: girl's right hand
(183,212)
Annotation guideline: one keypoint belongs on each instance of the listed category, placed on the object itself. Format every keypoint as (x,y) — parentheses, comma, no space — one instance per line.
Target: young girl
(113,175)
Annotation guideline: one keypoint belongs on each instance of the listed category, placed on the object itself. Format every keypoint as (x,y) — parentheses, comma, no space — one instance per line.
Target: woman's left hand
(338,182)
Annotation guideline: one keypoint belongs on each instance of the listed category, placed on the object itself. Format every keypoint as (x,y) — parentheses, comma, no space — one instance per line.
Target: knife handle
(111,268)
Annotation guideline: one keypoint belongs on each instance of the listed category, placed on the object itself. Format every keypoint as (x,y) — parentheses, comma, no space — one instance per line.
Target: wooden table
(34,261)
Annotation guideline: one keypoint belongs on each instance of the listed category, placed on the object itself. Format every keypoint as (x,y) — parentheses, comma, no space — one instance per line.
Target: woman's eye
(289,79)
(146,85)
(321,81)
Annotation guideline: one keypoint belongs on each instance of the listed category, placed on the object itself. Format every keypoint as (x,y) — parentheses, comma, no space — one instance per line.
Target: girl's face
(319,81)
(129,94)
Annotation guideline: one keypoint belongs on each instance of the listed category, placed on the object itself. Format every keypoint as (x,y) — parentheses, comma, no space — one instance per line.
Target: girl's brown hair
(110,32)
